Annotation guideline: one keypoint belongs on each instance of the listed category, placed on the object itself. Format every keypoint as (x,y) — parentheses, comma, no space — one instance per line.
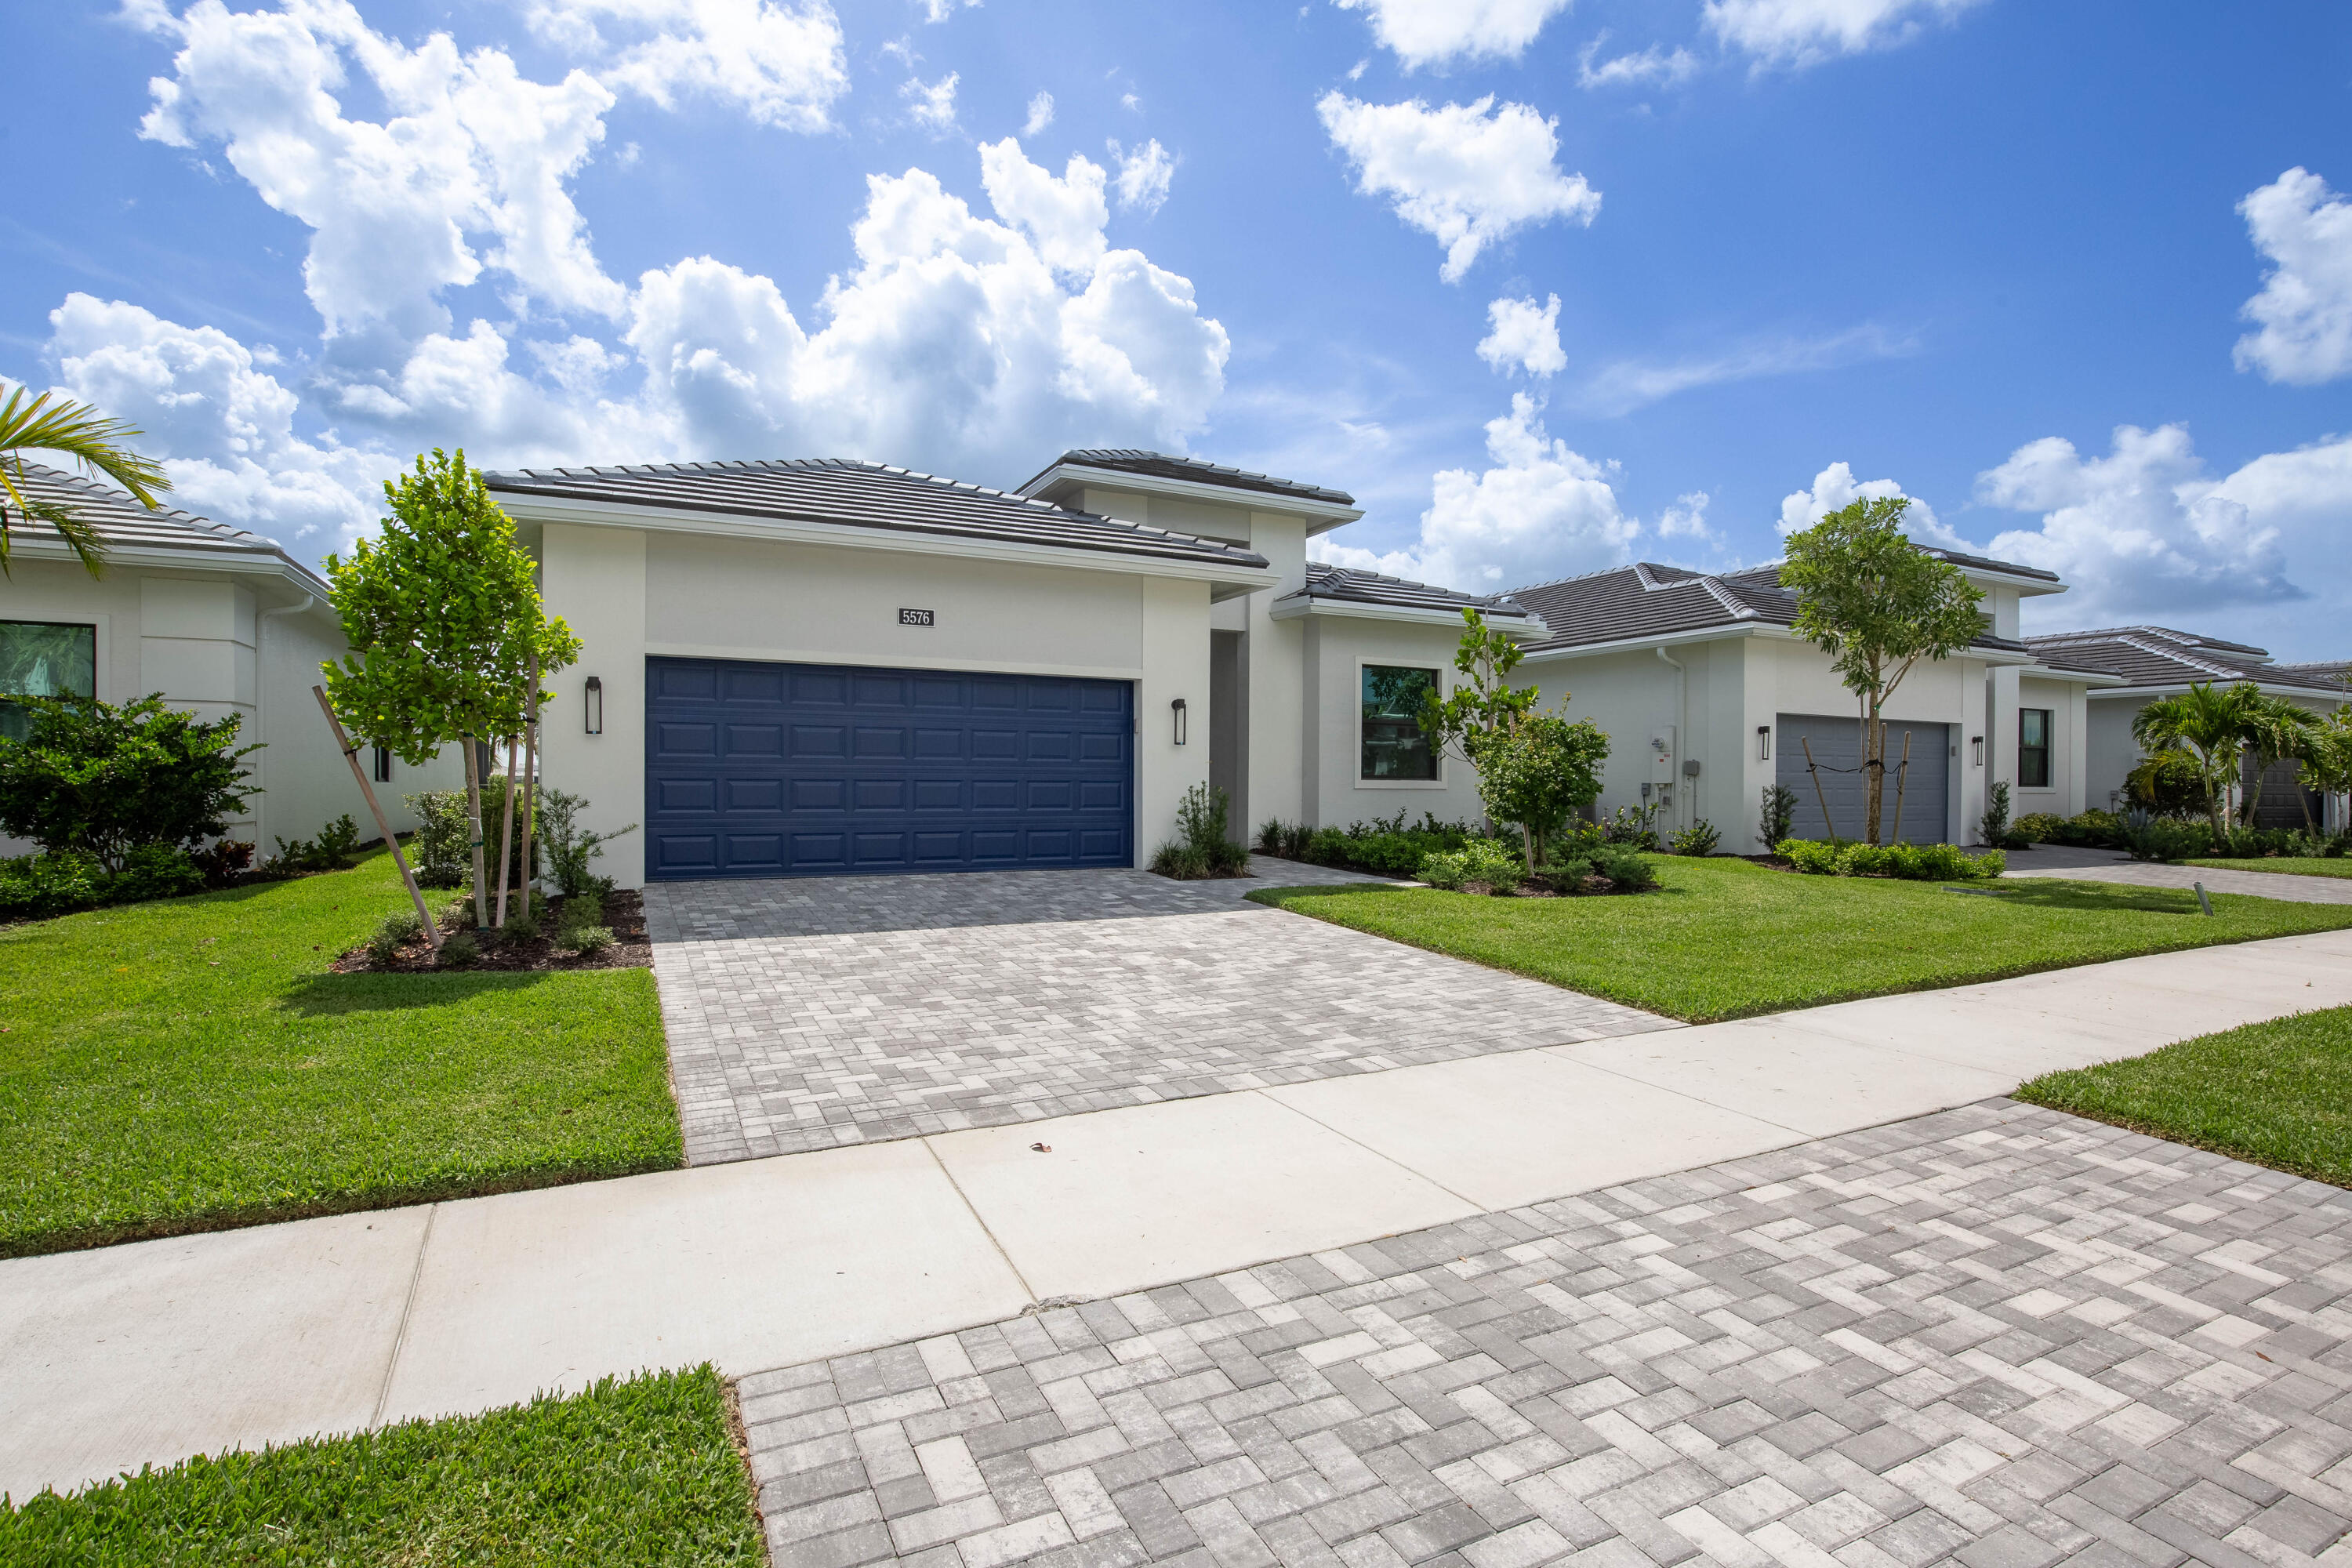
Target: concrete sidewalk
(150,1352)
(2285,886)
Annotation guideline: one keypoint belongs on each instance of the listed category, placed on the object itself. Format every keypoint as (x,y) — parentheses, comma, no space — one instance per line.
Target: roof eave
(1322,516)
(254,562)
(534,506)
(2125,688)
(1295,607)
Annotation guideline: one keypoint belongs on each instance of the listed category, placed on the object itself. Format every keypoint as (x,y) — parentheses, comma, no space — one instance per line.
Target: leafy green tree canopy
(1537,772)
(2208,725)
(1486,700)
(443,616)
(1876,604)
(107,780)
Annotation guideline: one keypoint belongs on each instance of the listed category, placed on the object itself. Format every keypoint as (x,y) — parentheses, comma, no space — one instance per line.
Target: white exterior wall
(1336,648)
(2110,753)
(2066,792)
(629,593)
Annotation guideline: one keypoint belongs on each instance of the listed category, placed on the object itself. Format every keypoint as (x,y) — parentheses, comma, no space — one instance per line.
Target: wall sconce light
(1763,742)
(1975,750)
(1176,712)
(596,705)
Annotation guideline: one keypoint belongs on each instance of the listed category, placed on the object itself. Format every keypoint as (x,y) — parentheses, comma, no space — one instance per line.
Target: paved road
(814,1013)
(151,1351)
(1994,1335)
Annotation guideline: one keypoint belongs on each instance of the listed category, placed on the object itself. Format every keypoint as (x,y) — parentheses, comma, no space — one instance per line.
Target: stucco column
(596,579)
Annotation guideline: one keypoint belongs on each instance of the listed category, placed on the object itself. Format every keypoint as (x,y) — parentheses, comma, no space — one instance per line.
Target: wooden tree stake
(529,778)
(506,836)
(408,878)
(1902,774)
(1814,768)
(474,831)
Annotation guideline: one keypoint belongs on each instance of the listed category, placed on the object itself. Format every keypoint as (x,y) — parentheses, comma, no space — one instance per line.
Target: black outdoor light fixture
(1763,742)
(1975,750)
(1176,710)
(596,705)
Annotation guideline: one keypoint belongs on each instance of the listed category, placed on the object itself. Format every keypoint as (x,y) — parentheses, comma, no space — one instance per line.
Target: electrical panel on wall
(1662,756)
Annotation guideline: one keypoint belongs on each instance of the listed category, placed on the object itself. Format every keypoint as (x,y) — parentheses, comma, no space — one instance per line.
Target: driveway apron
(817,1012)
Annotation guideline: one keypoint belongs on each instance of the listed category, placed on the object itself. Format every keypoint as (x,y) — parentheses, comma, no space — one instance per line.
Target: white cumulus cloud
(1436,32)
(1144,173)
(2304,313)
(1655,64)
(1803,32)
(1064,218)
(1834,488)
(1538,512)
(1524,336)
(782,65)
(1041,114)
(1468,174)
(931,105)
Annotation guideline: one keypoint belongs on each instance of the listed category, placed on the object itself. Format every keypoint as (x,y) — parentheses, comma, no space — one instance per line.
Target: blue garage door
(802,770)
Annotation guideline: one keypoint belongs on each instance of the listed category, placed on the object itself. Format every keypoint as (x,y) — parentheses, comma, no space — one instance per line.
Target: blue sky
(2077,279)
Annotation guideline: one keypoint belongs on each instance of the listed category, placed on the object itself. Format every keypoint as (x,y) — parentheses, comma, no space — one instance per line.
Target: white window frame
(1356,706)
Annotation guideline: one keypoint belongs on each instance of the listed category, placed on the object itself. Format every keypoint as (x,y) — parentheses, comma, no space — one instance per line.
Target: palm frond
(96,446)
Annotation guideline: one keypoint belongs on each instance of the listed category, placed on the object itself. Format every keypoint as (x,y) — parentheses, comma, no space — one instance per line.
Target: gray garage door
(1837,744)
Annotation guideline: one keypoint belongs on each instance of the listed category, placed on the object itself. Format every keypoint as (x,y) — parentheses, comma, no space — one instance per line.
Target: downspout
(1682,724)
(261,708)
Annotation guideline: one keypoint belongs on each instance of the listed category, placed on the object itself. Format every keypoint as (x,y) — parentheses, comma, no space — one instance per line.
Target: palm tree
(94,442)
(2277,730)
(2206,722)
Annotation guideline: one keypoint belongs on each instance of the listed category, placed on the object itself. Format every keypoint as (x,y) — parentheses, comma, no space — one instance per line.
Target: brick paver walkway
(1995,1336)
(811,1012)
(2217,879)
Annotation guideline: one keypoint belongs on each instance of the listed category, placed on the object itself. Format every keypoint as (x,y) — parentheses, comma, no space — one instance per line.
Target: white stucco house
(2145,663)
(218,620)
(827,667)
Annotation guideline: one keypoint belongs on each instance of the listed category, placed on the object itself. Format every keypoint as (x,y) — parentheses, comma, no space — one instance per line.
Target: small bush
(1181,861)
(1778,814)
(2146,836)
(1994,827)
(440,845)
(1480,864)
(39,886)
(156,871)
(1811,856)
(1910,862)
(585,941)
(1634,827)
(223,861)
(1201,819)
(395,931)
(2041,826)
(2093,829)
(2166,783)
(585,908)
(330,851)
(103,779)
(1699,838)
(568,847)
(1626,867)
(460,951)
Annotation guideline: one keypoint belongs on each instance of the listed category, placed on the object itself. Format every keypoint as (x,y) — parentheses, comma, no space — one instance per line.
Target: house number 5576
(915,617)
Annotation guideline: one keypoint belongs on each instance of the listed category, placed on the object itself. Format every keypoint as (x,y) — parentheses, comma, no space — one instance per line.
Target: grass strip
(2284,865)
(194,1064)
(642,1470)
(1728,939)
(2276,1094)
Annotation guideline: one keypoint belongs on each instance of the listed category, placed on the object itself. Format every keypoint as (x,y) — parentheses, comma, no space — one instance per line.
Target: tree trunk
(474,831)
(506,836)
(1874,771)
(529,781)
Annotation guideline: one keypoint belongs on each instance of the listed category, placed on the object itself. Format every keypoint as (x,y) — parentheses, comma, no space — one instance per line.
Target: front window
(1394,747)
(43,658)
(2033,748)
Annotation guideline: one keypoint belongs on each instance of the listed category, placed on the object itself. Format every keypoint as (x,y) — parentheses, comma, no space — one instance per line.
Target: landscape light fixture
(1176,712)
(1763,742)
(1975,750)
(596,705)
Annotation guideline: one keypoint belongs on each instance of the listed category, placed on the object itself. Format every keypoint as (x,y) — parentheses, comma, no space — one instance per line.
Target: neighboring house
(218,620)
(1709,698)
(2144,663)
(819,666)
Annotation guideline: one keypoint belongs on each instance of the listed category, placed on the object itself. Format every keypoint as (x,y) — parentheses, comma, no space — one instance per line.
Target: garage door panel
(768,770)
(1836,747)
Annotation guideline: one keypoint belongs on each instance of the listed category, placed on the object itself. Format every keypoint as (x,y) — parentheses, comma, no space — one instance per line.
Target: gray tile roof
(862,494)
(122,523)
(1161,464)
(1986,563)
(2159,656)
(1325,580)
(1625,603)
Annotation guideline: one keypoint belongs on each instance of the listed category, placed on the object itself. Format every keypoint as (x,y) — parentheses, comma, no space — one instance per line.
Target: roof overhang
(1231,576)
(1322,516)
(1766,629)
(2075,677)
(2027,587)
(242,562)
(1297,606)
(2177,689)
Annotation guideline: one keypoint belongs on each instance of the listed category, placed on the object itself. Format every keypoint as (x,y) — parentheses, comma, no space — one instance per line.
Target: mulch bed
(624,913)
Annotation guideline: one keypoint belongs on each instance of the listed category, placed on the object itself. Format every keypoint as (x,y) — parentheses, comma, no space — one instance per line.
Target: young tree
(1534,768)
(445,618)
(1877,605)
(2207,724)
(2276,731)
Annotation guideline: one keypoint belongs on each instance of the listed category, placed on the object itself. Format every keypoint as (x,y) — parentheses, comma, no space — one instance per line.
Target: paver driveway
(815,1012)
(1997,1336)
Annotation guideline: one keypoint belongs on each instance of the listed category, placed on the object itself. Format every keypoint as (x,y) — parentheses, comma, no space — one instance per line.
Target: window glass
(2033,748)
(1394,747)
(43,658)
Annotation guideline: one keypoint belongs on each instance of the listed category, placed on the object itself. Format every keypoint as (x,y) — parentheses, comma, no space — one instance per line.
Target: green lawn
(635,1472)
(192,1064)
(2277,1094)
(1726,939)
(2289,865)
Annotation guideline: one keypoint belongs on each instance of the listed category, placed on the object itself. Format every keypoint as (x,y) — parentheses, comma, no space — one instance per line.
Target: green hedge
(1910,862)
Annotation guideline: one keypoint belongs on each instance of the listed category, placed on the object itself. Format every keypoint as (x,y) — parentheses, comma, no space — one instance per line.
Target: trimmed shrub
(1181,861)
(2041,826)
(102,779)
(156,871)
(585,941)
(2146,836)
(460,951)
(395,931)
(37,886)
(1811,856)
(1481,864)
(1699,838)
(1910,862)
(1777,815)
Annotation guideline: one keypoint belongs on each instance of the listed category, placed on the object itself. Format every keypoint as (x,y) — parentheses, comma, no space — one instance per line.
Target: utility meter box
(1663,756)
